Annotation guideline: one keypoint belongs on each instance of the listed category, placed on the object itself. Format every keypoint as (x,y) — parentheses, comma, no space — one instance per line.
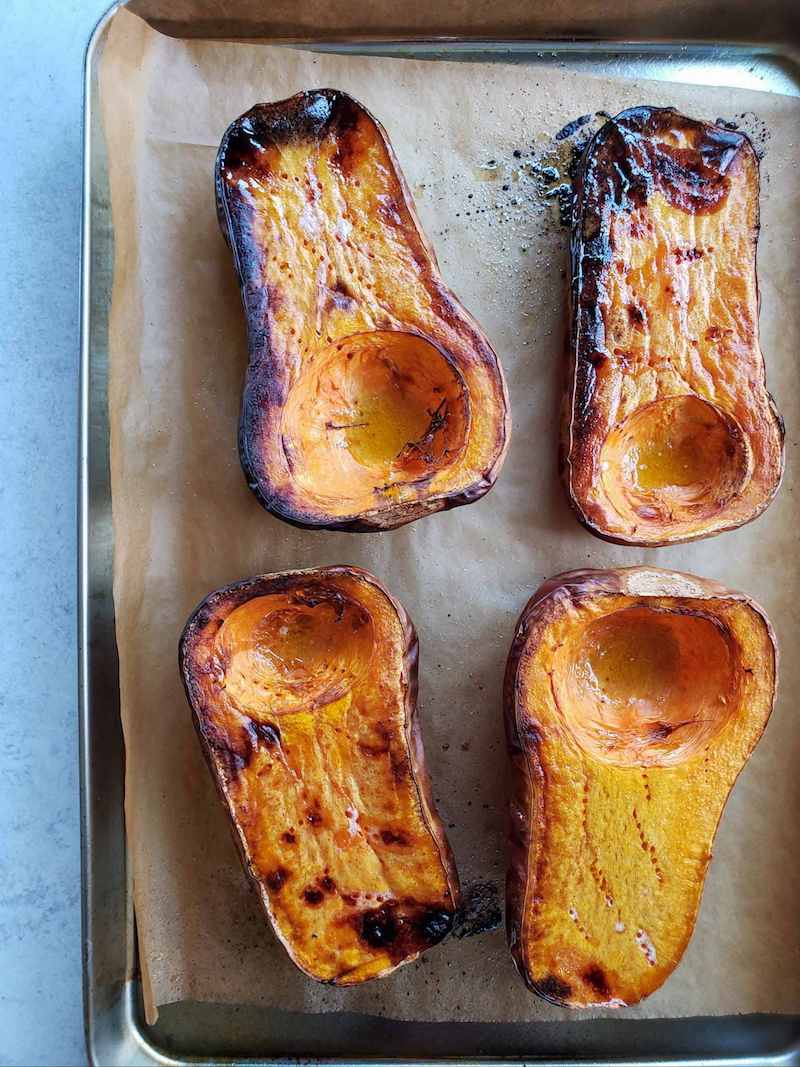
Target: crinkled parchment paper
(185,522)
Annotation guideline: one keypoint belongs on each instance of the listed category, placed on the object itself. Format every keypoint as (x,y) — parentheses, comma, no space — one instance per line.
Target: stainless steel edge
(116,1033)
(100,1021)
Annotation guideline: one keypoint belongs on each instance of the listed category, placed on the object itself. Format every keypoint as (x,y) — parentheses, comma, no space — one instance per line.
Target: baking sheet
(580,19)
(185,522)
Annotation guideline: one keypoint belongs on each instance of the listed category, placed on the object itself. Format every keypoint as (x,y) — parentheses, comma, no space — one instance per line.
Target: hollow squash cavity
(303,690)
(372,398)
(669,432)
(385,410)
(646,687)
(633,699)
(674,460)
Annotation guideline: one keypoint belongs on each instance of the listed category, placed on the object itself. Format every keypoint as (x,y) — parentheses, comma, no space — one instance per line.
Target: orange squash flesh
(633,698)
(669,431)
(372,397)
(303,690)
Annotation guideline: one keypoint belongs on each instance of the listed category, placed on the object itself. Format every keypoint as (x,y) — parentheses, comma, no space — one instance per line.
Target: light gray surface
(41,56)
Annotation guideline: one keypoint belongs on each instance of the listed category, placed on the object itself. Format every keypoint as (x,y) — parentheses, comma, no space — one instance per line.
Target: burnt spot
(267,732)
(479,911)
(572,127)
(404,929)
(597,359)
(628,160)
(314,817)
(277,879)
(340,298)
(313,896)
(229,760)
(553,989)
(350,898)
(305,116)
(435,925)
(531,734)
(687,255)
(345,155)
(327,884)
(379,927)
(204,618)
(595,977)
(311,596)
(716,333)
(260,735)
(636,315)
(243,147)
(343,289)
(687,182)
(400,765)
(288,837)
(393,837)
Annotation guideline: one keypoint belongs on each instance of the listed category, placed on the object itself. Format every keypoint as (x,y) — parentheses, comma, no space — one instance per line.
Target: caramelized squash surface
(372,398)
(669,431)
(303,688)
(633,698)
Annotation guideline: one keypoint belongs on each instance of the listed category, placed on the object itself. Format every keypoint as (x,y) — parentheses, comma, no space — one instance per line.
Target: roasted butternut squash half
(372,397)
(669,431)
(303,688)
(633,699)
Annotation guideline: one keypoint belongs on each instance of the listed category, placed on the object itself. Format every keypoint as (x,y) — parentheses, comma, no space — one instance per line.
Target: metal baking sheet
(203,1033)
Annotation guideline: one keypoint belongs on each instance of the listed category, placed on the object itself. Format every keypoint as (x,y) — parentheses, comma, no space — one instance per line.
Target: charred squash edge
(237,593)
(293,117)
(529,775)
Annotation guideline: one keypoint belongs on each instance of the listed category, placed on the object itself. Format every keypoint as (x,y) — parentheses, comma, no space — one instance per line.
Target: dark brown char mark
(403,930)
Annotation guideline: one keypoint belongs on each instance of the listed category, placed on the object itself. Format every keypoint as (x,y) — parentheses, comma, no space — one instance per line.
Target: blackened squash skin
(372,397)
(303,689)
(669,433)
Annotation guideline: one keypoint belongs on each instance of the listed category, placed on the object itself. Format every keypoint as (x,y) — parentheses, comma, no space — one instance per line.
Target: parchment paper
(185,522)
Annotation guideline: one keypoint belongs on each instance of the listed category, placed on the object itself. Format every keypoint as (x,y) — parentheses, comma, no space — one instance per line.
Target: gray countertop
(41,44)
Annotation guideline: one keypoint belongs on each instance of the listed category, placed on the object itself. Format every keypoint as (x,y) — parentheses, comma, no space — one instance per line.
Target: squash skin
(601,896)
(354,892)
(664,306)
(294,179)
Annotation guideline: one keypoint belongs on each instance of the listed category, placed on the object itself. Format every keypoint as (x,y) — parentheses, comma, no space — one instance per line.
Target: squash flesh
(333,265)
(671,433)
(630,712)
(303,690)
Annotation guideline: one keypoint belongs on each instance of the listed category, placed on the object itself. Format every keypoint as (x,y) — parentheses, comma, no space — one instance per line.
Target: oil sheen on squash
(372,398)
(633,699)
(670,433)
(303,688)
